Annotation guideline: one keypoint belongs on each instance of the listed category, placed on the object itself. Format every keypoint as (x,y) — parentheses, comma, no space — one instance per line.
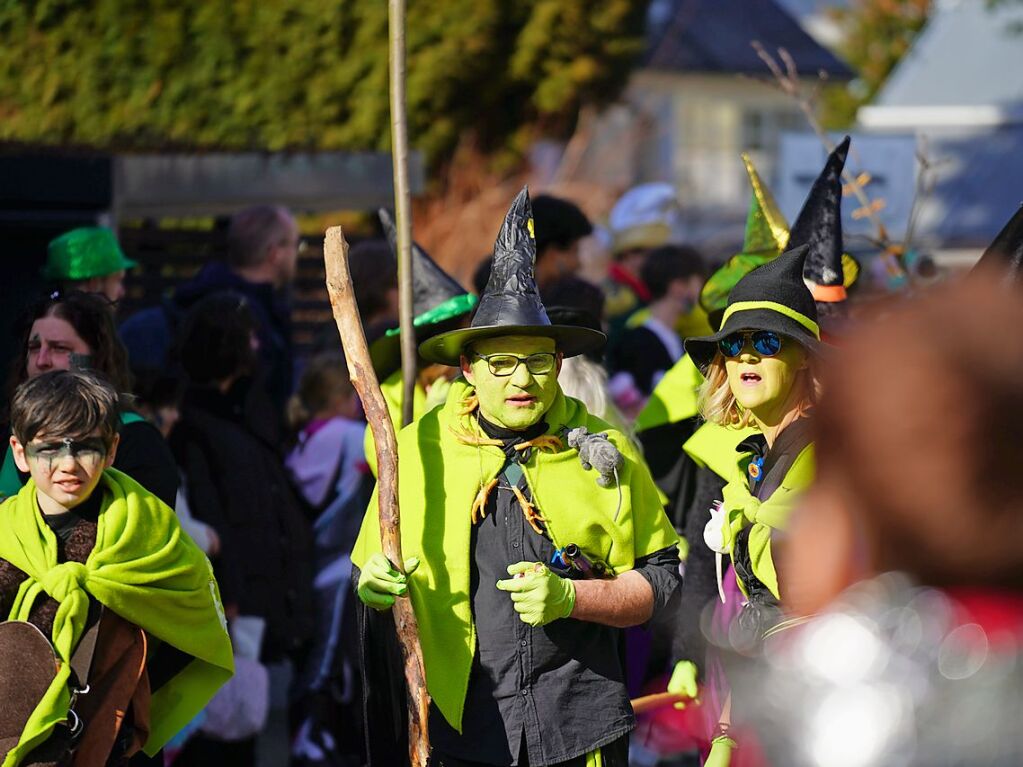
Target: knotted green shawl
(144,569)
(439,476)
(743,509)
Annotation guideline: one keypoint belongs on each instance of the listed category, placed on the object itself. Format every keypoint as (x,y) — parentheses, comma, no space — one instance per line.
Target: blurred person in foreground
(88,259)
(76,331)
(908,551)
(263,245)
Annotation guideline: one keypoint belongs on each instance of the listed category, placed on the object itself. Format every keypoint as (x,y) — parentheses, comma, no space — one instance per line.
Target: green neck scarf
(440,477)
(742,509)
(144,569)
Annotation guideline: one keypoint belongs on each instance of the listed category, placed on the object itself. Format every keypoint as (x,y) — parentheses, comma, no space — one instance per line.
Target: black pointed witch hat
(771,297)
(437,302)
(510,304)
(1005,254)
(819,225)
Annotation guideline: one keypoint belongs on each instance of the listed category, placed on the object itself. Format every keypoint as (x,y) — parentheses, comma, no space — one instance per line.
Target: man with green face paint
(514,500)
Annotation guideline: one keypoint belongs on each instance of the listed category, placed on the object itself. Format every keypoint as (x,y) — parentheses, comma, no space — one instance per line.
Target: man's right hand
(380,583)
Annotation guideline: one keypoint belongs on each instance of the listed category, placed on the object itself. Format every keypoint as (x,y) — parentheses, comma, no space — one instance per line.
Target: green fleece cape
(391,388)
(742,509)
(439,479)
(144,569)
(674,398)
(713,447)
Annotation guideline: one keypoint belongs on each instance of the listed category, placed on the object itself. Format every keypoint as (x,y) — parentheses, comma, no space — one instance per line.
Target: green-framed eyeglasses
(502,365)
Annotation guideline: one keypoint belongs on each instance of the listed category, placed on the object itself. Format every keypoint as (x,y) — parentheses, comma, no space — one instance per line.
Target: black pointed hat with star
(510,304)
(1005,254)
(819,225)
(771,297)
(438,302)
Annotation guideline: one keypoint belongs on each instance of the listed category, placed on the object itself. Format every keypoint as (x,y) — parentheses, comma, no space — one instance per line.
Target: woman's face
(51,342)
(764,385)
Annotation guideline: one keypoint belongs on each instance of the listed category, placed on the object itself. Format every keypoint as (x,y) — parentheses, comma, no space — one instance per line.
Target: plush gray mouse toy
(596,452)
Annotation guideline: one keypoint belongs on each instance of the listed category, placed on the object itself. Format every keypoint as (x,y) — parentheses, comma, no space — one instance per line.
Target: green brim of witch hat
(438,301)
(771,297)
(510,304)
(84,253)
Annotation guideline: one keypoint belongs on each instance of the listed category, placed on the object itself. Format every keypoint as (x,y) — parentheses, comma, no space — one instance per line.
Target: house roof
(714,36)
(969,54)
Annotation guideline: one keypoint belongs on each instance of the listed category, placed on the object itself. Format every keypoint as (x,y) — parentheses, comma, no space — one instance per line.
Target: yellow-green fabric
(742,510)
(713,447)
(391,388)
(145,569)
(674,398)
(439,477)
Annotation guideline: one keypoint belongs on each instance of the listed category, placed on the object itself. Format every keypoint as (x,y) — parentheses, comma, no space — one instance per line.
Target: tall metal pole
(402,205)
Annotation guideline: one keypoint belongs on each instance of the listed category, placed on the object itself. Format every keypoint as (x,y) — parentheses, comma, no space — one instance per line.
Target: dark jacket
(236,483)
(148,334)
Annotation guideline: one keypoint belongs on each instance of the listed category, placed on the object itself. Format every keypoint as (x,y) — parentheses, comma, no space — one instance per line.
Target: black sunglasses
(766,343)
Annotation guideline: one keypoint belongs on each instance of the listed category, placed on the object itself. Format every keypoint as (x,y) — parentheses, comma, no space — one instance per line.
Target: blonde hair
(718,405)
(324,380)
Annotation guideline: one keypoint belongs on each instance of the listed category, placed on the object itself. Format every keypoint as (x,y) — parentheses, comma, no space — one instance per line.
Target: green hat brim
(385,352)
(570,340)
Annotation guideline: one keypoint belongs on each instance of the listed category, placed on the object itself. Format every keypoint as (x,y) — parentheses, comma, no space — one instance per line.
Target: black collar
(512,437)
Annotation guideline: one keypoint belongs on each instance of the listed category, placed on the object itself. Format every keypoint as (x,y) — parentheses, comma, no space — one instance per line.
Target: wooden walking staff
(364,379)
(402,206)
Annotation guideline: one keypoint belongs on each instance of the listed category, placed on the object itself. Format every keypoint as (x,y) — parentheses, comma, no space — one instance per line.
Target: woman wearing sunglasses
(760,373)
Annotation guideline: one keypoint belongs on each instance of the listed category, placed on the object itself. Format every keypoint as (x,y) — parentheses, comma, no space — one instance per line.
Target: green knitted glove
(539,595)
(379,583)
(683,681)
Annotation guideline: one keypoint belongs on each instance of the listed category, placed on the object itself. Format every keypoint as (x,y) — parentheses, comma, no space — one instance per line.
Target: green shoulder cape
(713,447)
(674,398)
(440,477)
(145,569)
(742,510)
(391,388)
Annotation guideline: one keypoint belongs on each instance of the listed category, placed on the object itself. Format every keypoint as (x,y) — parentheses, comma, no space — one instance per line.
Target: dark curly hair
(215,341)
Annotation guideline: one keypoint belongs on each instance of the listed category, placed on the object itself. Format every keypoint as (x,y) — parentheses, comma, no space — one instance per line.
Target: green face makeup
(763,385)
(519,400)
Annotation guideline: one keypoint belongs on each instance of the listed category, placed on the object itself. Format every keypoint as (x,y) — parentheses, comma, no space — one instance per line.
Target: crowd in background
(263,457)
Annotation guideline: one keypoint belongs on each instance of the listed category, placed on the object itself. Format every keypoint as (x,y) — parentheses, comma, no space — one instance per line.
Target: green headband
(792,314)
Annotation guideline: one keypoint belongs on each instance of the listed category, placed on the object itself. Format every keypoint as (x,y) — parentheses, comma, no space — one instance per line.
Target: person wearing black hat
(514,500)
(760,372)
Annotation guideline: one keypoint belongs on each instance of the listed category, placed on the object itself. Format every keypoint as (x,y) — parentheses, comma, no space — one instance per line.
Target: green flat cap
(90,251)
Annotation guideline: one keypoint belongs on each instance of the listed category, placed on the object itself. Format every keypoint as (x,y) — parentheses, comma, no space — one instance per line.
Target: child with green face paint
(521,650)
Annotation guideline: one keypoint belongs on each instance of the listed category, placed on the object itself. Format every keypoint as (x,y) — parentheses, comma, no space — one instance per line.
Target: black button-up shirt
(558,690)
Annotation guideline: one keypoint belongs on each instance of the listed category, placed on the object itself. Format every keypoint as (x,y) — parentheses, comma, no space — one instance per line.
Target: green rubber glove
(720,752)
(683,682)
(539,595)
(379,583)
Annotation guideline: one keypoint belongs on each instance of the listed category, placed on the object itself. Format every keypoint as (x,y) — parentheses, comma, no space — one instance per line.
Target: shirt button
(522,642)
(515,545)
(525,692)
